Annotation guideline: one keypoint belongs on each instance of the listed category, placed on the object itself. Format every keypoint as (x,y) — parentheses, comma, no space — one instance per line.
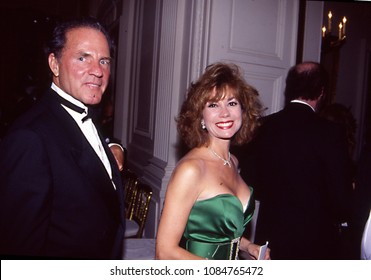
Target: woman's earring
(203,126)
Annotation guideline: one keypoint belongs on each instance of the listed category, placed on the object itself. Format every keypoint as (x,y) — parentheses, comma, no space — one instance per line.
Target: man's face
(83,69)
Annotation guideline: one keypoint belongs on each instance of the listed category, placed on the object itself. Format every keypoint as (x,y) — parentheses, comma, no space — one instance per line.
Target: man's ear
(321,96)
(53,64)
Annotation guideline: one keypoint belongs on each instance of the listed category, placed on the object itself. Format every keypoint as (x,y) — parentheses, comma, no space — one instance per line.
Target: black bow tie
(74,107)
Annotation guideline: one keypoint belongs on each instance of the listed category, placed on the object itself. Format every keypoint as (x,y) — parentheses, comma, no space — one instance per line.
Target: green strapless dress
(215,226)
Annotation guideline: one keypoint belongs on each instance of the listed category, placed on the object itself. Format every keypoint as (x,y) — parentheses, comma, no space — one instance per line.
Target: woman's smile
(225,125)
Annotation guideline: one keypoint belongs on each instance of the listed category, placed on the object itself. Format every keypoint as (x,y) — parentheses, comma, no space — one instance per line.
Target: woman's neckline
(232,195)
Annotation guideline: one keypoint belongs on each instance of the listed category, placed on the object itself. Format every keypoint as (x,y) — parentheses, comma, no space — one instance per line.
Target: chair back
(130,180)
(141,206)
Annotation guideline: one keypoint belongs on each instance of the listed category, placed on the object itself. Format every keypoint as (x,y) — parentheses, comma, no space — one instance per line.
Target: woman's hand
(118,153)
(253,249)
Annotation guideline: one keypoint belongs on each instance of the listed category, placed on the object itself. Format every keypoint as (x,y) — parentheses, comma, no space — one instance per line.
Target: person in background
(340,114)
(299,165)
(61,193)
(362,204)
(207,204)
(343,116)
(366,240)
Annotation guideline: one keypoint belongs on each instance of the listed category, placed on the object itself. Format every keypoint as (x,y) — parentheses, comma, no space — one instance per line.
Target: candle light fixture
(344,21)
(330,50)
(329,40)
(329,21)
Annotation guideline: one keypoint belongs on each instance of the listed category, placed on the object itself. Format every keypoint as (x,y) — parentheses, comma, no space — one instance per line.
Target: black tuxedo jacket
(56,198)
(299,167)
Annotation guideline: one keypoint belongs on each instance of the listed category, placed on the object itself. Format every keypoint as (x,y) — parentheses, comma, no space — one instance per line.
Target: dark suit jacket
(299,167)
(56,198)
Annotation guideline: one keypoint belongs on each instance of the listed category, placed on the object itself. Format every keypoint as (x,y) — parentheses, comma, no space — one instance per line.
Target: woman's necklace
(225,161)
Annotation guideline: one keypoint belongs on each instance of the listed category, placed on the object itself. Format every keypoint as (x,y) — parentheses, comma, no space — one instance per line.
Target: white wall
(312,32)
(261,37)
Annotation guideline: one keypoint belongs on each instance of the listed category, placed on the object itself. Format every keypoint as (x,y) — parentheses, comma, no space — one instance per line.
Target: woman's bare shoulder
(190,166)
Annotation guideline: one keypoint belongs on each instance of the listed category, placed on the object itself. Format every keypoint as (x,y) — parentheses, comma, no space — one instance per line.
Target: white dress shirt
(302,102)
(87,127)
(366,240)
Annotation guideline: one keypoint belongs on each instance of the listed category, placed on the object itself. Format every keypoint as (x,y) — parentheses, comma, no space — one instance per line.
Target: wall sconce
(330,53)
(330,41)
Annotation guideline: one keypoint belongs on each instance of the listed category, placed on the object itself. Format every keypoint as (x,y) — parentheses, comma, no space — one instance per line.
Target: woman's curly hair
(218,76)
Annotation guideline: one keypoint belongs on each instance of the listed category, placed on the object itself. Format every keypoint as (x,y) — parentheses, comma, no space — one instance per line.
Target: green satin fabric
(216,221)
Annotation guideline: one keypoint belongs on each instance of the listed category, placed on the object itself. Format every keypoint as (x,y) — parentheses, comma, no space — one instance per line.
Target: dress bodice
(216,220)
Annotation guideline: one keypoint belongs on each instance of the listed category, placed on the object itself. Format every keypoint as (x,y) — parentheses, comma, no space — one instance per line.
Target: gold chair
(130,180)
(136,221)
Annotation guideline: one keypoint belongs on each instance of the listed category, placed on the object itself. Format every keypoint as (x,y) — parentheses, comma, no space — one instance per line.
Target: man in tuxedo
(61,193)
(299,167)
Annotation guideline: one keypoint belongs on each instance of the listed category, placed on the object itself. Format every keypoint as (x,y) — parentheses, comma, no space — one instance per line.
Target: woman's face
(223,118)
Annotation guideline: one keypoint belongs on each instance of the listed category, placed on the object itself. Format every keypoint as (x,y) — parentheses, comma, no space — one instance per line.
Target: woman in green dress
(207,204)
